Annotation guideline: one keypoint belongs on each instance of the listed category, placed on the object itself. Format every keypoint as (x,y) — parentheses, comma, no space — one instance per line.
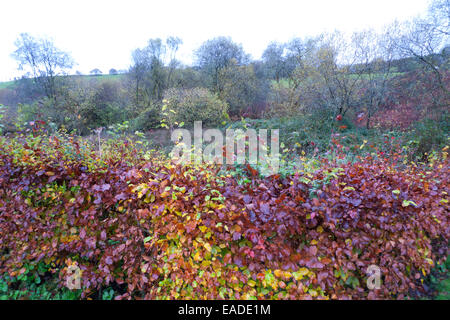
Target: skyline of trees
(418,37)
(331,73)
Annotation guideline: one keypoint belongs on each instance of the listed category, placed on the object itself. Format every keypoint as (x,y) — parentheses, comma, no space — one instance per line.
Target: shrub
(198,104)
(84,107)
(27,112)
(101,115)
(282,101)
(148,119)
(156,230)
(429,134)
(239,88)
(104,107)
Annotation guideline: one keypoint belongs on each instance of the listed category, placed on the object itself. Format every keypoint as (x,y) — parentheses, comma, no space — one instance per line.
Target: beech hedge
(156,230)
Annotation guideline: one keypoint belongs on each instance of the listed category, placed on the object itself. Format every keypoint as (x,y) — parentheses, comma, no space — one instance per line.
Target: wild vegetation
(86,178)
(145,227)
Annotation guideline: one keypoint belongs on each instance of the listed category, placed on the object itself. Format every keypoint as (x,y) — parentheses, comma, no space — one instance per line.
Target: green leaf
(406,203)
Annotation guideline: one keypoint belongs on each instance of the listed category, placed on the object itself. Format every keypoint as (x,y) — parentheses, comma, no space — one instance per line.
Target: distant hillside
(6,84)
(12,84)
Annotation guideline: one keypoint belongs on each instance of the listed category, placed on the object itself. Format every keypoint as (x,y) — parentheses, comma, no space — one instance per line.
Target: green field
(7,84)
(99,78)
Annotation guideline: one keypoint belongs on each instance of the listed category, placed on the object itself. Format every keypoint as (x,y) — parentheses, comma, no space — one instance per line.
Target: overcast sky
(102,33)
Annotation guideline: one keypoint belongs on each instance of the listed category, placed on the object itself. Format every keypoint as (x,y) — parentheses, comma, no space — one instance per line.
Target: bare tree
(173,44)
(423,37)
(376,53)
(300,68)
(335,65)
(152,70)
(439,16)
(137,74)
(42,61)
(217,54)
(275,61)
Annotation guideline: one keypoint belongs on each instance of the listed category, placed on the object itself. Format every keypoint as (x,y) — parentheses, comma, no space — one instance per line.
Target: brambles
(151,229)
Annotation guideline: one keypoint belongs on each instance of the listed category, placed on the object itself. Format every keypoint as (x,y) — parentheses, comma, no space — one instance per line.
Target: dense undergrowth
(139,226)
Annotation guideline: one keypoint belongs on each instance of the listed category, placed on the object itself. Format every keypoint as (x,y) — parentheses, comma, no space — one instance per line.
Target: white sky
(102,33)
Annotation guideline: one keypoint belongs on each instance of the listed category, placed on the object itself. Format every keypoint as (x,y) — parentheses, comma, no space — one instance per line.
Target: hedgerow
(156,230)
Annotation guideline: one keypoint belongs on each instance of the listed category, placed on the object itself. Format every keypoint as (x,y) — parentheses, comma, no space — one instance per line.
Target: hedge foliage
(156,230)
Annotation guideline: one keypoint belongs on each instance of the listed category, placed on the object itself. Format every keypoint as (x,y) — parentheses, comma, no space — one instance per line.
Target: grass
(34,283)
(441,283)
(7,84)
(284,82)
(102,77)
(99,78)
(366,76)
(313,130)
(443,290)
